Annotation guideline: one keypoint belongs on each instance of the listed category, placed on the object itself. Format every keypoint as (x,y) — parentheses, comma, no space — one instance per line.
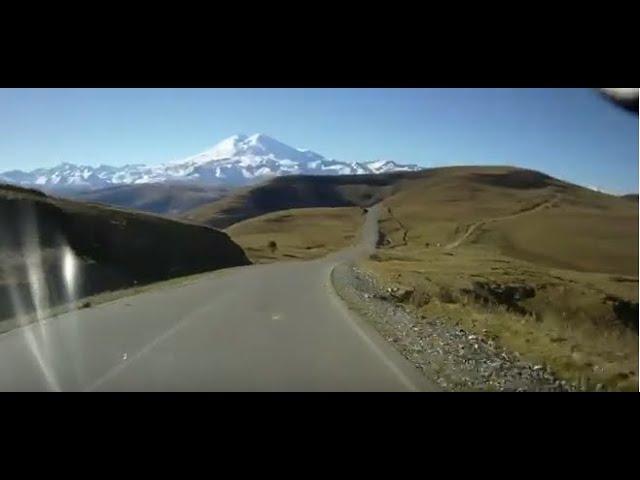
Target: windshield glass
(319,239)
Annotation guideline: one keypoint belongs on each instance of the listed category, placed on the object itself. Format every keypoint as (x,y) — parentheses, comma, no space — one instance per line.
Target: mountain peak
(244,138)
(241,146)
(259,137)
(239,159)
(238,137)
(384,166)
(381,162)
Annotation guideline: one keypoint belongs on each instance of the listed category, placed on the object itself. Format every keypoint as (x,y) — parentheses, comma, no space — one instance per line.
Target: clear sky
(573,134)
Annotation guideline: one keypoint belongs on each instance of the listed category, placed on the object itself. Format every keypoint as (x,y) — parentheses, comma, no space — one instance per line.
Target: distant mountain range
(237,160)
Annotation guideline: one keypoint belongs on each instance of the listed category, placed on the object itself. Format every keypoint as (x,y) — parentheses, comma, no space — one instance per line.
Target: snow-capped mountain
(236,160)
(386,166)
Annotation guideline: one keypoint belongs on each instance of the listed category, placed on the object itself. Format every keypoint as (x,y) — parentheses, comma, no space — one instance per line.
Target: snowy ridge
(237,160)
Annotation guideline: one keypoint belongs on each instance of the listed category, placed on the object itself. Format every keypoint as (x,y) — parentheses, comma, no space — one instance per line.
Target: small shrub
(420,296)
(273,246)
(382,239)
(445,295)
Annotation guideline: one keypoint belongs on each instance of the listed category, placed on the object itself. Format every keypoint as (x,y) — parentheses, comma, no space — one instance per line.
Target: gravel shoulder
(454,359)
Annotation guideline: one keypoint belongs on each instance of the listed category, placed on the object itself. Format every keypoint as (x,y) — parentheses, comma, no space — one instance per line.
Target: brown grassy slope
(571,251)
(581,229)
(159,198)
(585,237)
(575,228)
(284,193)
(441,206)
(583,325)
(298,234)
(112,248)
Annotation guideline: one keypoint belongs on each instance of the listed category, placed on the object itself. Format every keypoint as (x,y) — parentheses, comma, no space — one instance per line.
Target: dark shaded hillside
(289,192)
(518,179)
(303,191)
(45,241)
(163,199)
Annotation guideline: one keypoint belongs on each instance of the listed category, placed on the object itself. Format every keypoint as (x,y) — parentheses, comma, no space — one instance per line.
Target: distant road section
(277,327)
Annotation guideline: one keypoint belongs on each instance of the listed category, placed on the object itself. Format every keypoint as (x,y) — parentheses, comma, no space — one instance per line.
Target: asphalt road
(277,327)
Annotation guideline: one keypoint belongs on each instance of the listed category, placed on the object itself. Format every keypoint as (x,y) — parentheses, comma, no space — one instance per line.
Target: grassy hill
(546,268)
(54,251)
(591,231)
(163,199)
(297,234)
(521,213)
(283,193)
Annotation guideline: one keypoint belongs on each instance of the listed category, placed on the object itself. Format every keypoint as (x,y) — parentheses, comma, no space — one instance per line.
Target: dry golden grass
(569,325)
(577,237)
(575,247)
(304,233)
(554,224)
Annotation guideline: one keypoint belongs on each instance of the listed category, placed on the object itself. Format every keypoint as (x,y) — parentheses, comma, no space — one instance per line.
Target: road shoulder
(453,359)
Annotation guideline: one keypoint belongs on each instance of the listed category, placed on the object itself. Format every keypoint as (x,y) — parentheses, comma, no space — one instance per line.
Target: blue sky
(573,134)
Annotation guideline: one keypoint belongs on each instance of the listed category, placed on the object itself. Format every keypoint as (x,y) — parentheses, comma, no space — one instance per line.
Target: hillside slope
(537,265)
(285,193)
(542,267)
(54,251)
(503,224)
(578,228)
(160,198)
(297,234)
(520,213)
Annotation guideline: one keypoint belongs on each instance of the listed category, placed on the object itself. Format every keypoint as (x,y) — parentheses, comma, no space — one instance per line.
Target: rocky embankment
(455,359)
